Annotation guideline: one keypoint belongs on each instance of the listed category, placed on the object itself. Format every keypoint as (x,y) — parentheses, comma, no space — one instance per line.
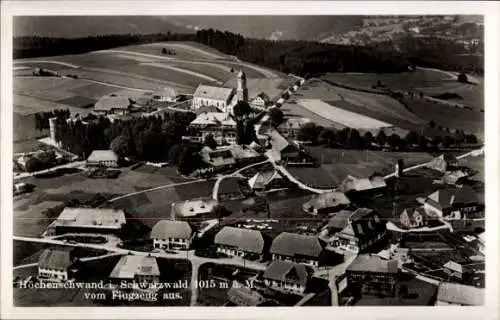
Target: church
(224,99)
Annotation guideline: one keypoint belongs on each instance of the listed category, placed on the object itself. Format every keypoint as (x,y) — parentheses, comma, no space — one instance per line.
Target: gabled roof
(373,263)
(60,259)
(206,109)
(244,239)
(364,221)
(327,200)
(340,220)
(262,179)
(460,294)
(413,213)
(90,217)
(292,244)
(108,103)
(102,155)
(166,92)
(446,198)
(286,271)
(130,266)
(453,266)
(165,229)
(280,143)
(211,92)
(193,207)
(362,184)
(214,118)
(263,96)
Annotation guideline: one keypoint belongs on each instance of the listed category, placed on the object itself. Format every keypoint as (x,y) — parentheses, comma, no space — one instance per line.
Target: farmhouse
(326,203)
(373,275)
(281,148)
(459,295)
(291,126)
(297,248)
(286,276)
(414,218)
(172,234)
(218,124)
(210,96)
(261,101)
(266,180)
(443,163)
(354,187)
(168,94)
(231,188)
(56,264)
(87,220)
(354,231)
(458,203)
(239,242)
(103,158)
(136,269)
(192,208)
(113,104)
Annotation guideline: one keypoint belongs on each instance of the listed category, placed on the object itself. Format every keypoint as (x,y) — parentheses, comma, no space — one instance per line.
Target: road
(215,190)
(75,164)
(196,261)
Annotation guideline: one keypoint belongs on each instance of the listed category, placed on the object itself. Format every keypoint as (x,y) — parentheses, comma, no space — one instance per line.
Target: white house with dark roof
(373,275)
(326,203)
(286,276)
(260,101)
(172,234)
(211,96)
(455,294)
(453,203)
(218,124)
(138,269)
(103,158)
(56,264)
(167,94)
(266,180)
(240,242)
(297,248)
(113,104)
(87,220)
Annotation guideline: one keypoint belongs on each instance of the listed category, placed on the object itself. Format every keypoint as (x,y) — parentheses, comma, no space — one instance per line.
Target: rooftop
(446,198)
(373,263)
(130,266)
(60,259)
(293,244)
(244,239)
(102,155)
(286,271)
(165,229)
(215,93)
(214,118)
(107,103)
(261,179)
(362,184)
(191,208)
(90,218)
(327,200)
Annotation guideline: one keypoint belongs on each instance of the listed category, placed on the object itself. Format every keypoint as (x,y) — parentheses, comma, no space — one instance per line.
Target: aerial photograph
(248,161)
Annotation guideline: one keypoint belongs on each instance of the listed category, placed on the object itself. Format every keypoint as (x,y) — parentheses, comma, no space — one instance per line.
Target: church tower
(242,91)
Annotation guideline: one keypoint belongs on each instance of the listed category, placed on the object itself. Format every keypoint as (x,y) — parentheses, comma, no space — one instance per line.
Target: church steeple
(242,91)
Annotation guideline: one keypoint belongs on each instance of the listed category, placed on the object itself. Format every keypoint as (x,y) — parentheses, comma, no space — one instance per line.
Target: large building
(240,242)
(354,231)
(459,203)
(87,220)
(113,104)
(218,124)
(210,96)
(172,234)
(326,203)
(372,275)
(136,269)
(286,276)
(297,248)
(103,158)
(56,264)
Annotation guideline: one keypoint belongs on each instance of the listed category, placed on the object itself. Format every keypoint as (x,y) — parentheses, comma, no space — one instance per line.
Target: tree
(121,146)
(403,291)
(462,77)
(394,140)
(33,164)
(432,124)
(308,132)
(232,70)
(242,109)
(164,51)
(210,142)
(187,162)
(220,211)
(355,139)
(368,139)
(276,116)
(240,133)
(381,138)
(448,141)
(412,138)
(326,137)
(174,154)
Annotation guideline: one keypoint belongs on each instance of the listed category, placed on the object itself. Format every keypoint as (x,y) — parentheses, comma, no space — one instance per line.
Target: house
(113,104)
(453,203)
(443,163)
(286,276)
(459,295)
(211,96)
(353,186)
(326,203)
(231,189)
(260,101)
(87,220)
(218,124)
(356,231)
(241,295)
(453,269)
(217,160)
(291,126)
(172,234)
(297,248)
(240,242)
(103,158)
(192,208)
(372,275)
(414,218)
(281,148)
(136,269)
(266,180)
(168,94)
(56,264)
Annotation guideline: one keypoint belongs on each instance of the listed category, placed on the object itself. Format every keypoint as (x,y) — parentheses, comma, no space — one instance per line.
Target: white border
(489,9)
